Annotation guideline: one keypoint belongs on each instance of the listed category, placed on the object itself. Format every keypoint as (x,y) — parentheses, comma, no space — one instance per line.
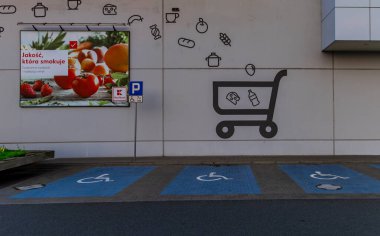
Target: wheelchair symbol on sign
(319,175)
(92,180)
(212,177)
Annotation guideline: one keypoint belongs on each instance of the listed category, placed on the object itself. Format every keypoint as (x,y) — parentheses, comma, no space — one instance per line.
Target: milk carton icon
(39,10)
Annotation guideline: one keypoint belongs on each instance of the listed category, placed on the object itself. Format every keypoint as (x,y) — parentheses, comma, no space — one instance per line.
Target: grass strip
(11,153)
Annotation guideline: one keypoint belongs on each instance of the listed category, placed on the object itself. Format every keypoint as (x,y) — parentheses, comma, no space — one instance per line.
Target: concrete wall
(327,104)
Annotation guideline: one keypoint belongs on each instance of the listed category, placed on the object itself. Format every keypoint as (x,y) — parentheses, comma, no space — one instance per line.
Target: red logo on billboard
(73,44)
(119,94)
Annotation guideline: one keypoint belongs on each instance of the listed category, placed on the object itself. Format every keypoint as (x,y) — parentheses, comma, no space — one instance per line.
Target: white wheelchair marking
(212,177)
(319,175)
(92,180)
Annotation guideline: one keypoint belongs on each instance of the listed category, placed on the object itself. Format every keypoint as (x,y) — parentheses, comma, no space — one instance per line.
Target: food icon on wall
(267,127)
(225,39)
(7,9)
(233,98)
(40,10)
(109,9)
(134,18)
(202,26)
(172,17)
(73,68)
(187,43)
(253,98)
(73,4)
(155,32)
(250,69)
(213,60)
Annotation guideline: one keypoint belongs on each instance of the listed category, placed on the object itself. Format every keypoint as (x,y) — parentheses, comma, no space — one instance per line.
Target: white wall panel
(357,110)
(375,23)
(359,148)
(328,29)
(303,111)
(352,24)
(248,148)
(327,7)
(10,113)
(355,25)
(261,32)
(357,60)
(149,113)
(352,3)
(149,149)
(375,3)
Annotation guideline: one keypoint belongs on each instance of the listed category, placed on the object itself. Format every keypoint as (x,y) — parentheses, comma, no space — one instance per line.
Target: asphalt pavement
(257,217)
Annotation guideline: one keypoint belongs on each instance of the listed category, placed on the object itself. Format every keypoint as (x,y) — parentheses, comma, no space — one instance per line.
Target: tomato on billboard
(74,69)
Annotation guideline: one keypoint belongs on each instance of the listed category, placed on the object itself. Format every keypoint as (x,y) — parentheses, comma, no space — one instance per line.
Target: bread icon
(7,9)
(187,43)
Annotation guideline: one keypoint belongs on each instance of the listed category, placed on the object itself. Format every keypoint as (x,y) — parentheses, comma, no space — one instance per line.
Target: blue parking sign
(136,88)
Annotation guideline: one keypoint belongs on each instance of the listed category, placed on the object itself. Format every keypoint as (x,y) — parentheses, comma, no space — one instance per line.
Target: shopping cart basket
(267,128)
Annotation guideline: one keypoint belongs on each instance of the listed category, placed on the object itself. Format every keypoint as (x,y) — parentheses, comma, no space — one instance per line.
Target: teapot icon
(39,10)
(213,60)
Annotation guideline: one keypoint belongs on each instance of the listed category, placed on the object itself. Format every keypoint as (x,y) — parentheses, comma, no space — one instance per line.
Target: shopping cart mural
(254,105)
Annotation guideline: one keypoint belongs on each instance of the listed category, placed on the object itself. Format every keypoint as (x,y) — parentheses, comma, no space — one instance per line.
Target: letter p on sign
(136,88)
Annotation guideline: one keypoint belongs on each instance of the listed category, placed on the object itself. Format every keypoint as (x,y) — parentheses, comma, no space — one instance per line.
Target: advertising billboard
(75,68)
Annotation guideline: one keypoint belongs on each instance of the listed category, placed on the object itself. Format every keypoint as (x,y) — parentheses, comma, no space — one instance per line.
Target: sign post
(136,92)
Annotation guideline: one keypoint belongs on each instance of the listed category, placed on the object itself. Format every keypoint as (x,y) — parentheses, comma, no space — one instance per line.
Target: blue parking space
(376,166)
(331,179)
(95,182)
(210,180)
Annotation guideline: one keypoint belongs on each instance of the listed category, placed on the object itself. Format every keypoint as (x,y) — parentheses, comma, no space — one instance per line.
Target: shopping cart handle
(280,75)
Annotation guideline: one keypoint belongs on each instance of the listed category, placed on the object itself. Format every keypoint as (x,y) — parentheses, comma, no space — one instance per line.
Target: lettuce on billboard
(74,69)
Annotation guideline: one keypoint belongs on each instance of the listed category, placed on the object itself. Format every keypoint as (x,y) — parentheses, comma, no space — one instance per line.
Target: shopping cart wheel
(225,130)
(268,129)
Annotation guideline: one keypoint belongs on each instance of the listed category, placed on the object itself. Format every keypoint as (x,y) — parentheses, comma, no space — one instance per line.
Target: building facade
(245,77)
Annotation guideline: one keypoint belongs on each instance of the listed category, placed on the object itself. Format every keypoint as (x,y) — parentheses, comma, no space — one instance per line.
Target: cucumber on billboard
(74,69)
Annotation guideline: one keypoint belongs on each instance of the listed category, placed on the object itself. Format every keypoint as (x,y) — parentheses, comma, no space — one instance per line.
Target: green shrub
(6,153)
